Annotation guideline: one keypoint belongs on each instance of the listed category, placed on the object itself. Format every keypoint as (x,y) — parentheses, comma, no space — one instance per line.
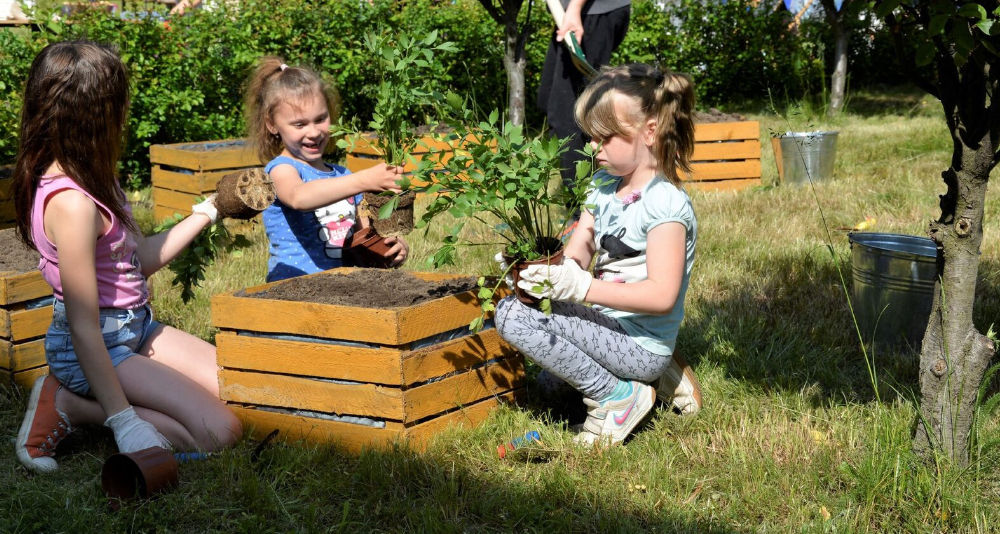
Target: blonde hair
(663,95)
(272,83)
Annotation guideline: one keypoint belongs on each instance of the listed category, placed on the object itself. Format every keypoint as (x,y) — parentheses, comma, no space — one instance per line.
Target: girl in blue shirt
(288,114)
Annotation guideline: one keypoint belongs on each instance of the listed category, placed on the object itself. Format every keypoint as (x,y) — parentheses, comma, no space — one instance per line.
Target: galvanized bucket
(806,156)
(893,279)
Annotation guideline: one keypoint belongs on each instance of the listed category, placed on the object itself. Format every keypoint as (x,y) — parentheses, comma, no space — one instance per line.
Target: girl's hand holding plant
(565,281)
(381,177)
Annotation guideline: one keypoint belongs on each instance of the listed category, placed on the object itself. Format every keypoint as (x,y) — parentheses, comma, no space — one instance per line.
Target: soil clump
(16,256)
(366,288)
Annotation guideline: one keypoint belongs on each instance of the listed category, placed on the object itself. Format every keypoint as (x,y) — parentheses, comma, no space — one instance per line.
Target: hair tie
(283,66)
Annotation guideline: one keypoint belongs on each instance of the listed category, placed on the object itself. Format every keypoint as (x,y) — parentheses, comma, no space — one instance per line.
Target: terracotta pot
(366,248)
(139,474)
(515,271)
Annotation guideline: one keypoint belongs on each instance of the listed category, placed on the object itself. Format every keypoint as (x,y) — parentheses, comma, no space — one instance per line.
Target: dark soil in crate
(714,115)
(16,257)
(366,288)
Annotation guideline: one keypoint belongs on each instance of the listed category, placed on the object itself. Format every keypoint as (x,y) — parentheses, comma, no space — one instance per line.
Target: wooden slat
(20,287)
(469,416)
(198,183)
(6,185)
(180,202)
(362,364)
(20,356)
(163,212)
(26,378)
(726,169)
(370,400)
(259,423)
(21,324)
(462,389)
(286,391)
(726,131)
(725,151)
(196,157)
(443,358)
(723,185)
(383,326)
(356,164)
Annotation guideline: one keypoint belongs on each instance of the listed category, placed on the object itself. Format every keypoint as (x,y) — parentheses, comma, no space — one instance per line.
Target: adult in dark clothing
(599,26)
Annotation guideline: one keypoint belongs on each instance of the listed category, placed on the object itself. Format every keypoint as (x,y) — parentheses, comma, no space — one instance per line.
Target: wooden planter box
(25,314)
(6,198)
(360,377)
(183,172)
(726,156)
(364,154)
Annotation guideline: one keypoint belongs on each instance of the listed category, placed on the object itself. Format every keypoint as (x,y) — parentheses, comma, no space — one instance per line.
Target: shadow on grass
(301,488)
(791,330)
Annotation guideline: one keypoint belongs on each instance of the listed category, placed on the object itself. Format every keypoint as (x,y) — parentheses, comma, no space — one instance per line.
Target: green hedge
(187,73)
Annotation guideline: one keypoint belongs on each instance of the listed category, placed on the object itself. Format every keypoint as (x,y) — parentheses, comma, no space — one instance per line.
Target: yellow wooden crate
(360,376)
(25,314)
(183,172)
(726,156)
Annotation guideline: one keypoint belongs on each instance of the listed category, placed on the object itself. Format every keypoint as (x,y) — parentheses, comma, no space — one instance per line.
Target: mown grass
(793,436)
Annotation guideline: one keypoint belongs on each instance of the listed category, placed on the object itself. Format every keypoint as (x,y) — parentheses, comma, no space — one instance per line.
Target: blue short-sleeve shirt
(298,242)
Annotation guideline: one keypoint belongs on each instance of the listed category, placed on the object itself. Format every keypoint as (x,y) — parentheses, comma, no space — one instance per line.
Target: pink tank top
(120,283)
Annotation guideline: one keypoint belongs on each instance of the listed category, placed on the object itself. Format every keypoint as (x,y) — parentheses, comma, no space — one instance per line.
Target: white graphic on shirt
(335,223)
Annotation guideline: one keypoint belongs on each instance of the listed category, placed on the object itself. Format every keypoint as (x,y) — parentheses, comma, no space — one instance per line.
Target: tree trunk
(513,62)
(838,80)
(954,356)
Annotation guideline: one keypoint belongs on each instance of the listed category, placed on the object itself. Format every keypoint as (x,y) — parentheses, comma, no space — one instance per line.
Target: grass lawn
(796,435)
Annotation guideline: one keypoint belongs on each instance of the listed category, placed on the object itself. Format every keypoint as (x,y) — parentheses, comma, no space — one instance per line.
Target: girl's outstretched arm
(657,294)
(305,196)
(157,250)
(73,224)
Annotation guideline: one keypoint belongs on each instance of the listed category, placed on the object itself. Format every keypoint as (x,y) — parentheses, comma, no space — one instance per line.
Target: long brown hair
(75,109)
(272,83)
(664,95)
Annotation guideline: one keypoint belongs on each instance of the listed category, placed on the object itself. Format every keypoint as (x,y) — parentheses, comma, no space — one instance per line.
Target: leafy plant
(405,68)
(189,266)
(497,170)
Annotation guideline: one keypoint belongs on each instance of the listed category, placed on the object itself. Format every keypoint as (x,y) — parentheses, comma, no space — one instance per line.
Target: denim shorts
(124,331)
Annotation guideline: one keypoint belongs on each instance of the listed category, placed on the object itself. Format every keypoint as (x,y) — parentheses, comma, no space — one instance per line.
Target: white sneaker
(613,421)
(678,387)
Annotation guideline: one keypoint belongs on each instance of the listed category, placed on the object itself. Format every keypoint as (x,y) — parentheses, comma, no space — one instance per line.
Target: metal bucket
(893,279)
(806,156)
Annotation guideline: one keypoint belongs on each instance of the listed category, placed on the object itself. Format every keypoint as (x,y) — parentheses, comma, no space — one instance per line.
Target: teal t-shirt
(620,233)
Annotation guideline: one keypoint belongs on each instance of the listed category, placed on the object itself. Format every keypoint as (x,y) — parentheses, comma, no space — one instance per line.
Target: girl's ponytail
(675,124)
(262,142)
(664,95)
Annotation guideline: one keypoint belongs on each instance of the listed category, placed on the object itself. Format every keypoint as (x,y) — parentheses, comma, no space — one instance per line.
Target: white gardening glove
(507,276)
(133,433)
(566,281)
(207,208)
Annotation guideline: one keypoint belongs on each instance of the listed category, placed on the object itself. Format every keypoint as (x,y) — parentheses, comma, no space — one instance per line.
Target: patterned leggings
(579,344)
